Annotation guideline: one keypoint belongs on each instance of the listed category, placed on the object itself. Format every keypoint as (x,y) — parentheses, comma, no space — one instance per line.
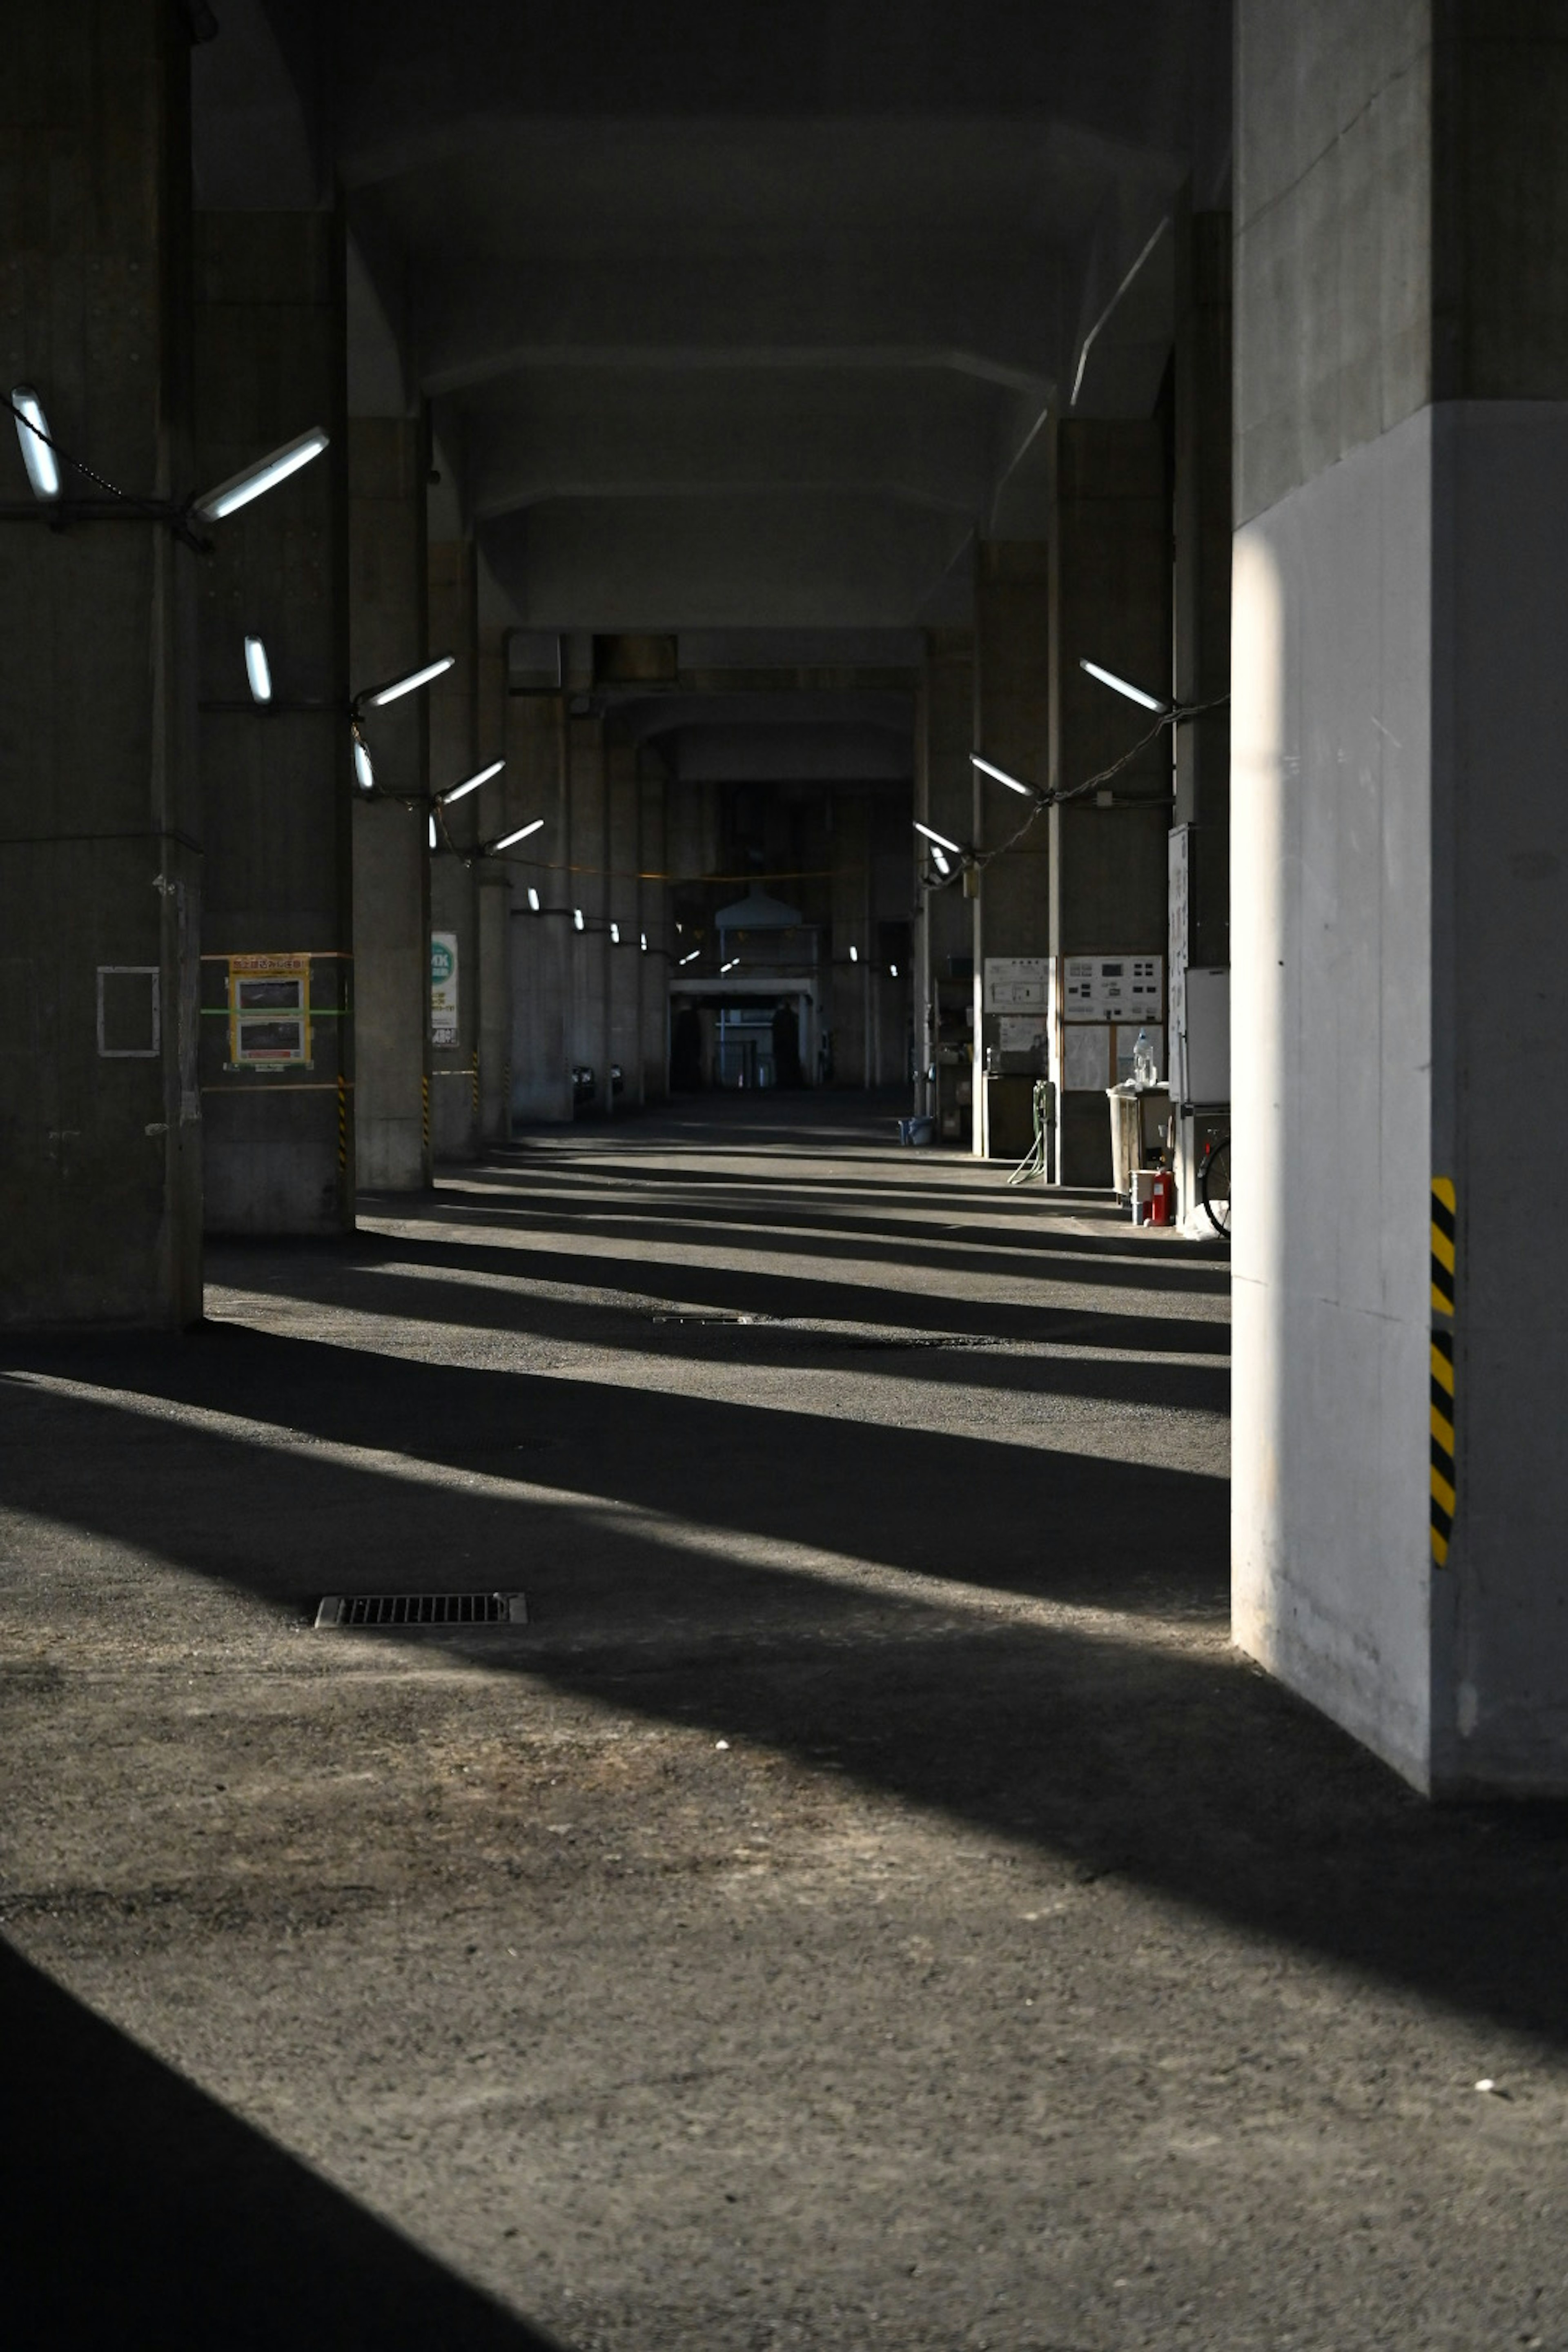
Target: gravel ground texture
(868,1903)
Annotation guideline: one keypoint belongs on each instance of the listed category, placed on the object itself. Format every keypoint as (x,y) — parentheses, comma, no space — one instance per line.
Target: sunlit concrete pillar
(655,927)
(278,1093)
(1399,879)
(539,950)
(588,947)
(622,960)
(100,1113)
(388,593)
(1110,852)
(1012,907)
(454,884)
(945,929)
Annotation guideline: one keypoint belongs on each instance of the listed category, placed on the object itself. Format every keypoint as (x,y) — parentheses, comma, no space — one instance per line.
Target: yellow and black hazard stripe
(425,1114)
(1444,1471)
(1444,1475)
(1445,1229)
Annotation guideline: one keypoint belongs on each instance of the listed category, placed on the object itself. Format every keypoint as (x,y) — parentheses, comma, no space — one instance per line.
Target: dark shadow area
(137,2213)
(359,1283)
(1057,1525)
(788,1298)
(863,1242)
(1173,1766)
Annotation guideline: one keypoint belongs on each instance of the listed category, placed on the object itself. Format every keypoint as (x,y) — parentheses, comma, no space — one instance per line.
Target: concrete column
(99,1112)
(1398,891)
(588,950)
(277,919)
(944,940)
(655,925)
(1012,727)
(850,844)
(541,963)
(453,881)
(494,894)
(387,634)
(1111,565)
(622,899)
(1203,518)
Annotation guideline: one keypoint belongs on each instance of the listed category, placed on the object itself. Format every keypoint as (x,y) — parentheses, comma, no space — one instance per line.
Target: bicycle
(1213,1183)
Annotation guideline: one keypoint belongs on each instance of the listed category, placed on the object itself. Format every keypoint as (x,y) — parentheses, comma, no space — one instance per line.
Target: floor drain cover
(402,1609)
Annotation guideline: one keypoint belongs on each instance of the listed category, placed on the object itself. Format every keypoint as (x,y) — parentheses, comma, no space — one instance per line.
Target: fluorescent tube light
(382,695)
(42,474)
(532,900)
(432,831)
(364,775)
(615,935)
(265,475)
(257,670)
(730,965)
(1012,783)
(939,858)
(576,918)
(521,834)
(941,839)
(645,943)
(854,955)
(893,972)
(1122,686)
(470,783)
(692,957)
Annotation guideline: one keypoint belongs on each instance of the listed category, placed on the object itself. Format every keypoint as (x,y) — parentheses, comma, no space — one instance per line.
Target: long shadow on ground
(140,2215)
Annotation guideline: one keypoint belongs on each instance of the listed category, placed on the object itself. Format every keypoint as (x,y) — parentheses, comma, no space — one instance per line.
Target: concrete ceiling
(741,317)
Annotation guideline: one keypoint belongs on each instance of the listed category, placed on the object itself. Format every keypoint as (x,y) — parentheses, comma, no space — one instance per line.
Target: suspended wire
(162,509)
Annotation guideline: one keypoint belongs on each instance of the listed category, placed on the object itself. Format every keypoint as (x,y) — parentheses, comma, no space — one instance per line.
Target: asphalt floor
(868,1903)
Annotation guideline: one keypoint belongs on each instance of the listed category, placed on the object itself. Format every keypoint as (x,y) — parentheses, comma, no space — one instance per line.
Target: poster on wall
(1017,984)
(1113,988)
(443,988)
(268,1011)
(1086,1058)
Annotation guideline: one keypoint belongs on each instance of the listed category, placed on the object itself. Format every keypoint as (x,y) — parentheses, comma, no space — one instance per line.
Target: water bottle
(1144,1070)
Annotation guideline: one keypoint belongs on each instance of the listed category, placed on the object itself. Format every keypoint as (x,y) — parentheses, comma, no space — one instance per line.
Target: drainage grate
(403,1609)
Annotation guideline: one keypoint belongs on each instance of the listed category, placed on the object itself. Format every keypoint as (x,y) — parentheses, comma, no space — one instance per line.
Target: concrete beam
(926,440)
(992,311)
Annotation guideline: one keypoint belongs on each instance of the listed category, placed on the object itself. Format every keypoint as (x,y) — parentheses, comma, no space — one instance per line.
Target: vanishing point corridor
(866,1904)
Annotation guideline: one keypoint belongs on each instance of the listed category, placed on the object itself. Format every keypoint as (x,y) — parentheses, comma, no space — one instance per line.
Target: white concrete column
(1400,994)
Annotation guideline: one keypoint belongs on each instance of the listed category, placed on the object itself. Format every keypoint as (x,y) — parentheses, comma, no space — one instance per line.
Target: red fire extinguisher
(1162,1199)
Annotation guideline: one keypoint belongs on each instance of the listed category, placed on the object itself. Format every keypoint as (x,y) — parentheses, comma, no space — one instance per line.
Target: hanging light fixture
(264,474)
(615,935)
(941,839)
(432,831)
(532,900)
(989,768)
(470,783)
(508,839)
(33,433)
(1124,685)
(378,696)
(365,774)
(577,924)
(257,670)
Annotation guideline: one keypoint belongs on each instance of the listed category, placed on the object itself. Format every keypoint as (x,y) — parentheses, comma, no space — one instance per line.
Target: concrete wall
(100,1156)
(269,360)
(454,885)
(388,633)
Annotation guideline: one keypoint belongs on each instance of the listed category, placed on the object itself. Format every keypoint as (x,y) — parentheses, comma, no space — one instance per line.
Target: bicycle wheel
(1213,1185)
